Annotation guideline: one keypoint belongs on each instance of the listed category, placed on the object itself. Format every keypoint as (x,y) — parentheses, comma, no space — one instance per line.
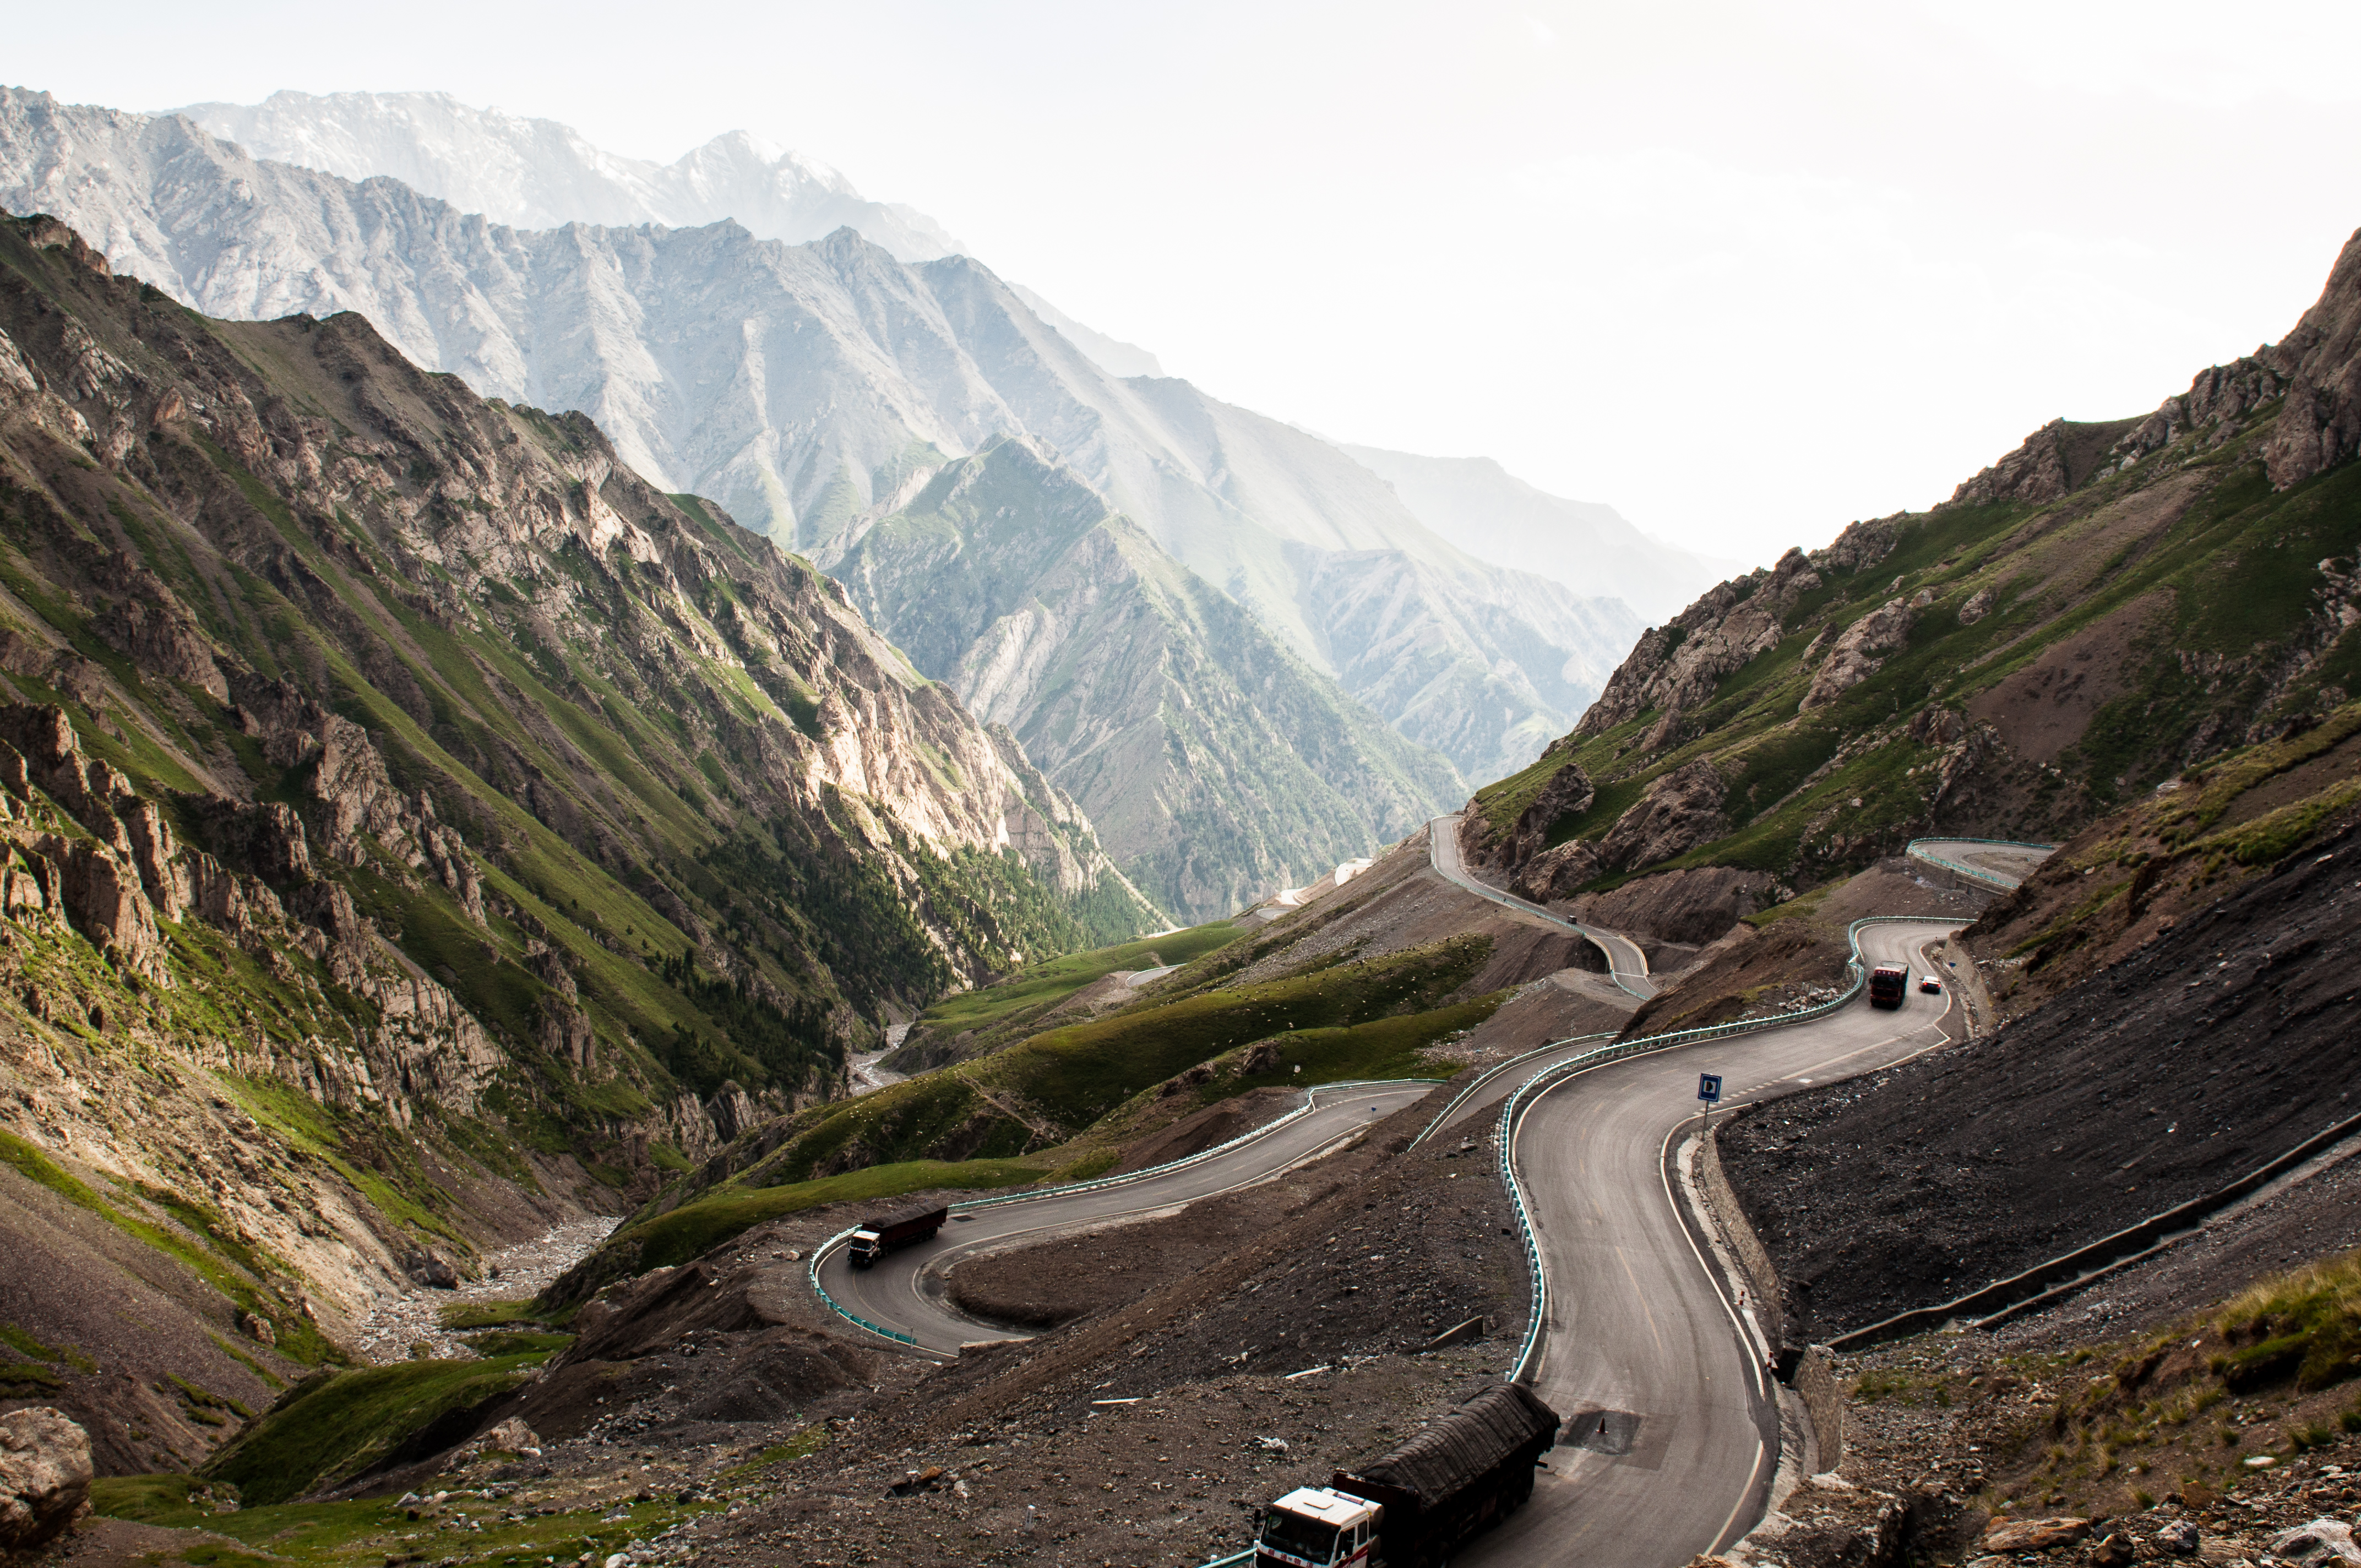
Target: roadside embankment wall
(1815,1378)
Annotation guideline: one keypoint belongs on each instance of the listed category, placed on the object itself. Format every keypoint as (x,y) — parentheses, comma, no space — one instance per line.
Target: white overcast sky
(1747,272)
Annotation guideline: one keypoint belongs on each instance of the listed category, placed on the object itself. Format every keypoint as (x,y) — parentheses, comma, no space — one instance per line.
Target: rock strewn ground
(2190,1063)
(510,1274)
(1135,1434)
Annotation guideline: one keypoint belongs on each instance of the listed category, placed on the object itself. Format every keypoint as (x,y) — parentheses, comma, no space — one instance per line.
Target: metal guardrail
(838,1307)
(1504,1135)
(1995,879)
(819,1253)
(1485,1078)
(1590,934)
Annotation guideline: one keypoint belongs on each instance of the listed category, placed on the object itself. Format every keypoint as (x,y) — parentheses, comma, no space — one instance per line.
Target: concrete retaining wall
(1761,1279)
(1815,1379)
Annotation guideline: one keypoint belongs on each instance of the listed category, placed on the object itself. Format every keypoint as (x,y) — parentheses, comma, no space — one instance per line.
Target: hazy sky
(1747,272)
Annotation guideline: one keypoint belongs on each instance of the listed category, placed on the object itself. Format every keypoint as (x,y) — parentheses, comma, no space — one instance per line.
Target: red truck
(882,1234)
(1888,985)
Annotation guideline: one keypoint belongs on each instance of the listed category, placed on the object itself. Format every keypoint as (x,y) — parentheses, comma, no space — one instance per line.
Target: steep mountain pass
(2101,610)
(1217,764)
(418,829)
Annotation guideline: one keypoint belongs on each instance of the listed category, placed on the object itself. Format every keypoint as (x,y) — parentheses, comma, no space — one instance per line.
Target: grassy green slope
(2187,573)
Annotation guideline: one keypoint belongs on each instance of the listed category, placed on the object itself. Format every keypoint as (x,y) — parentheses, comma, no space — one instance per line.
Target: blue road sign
(1709,1088)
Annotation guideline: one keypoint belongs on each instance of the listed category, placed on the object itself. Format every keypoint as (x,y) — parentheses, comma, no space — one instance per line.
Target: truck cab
(1318,1527)
(866,1248)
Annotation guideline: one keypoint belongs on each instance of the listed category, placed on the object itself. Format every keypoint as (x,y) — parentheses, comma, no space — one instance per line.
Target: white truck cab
(1317,1527)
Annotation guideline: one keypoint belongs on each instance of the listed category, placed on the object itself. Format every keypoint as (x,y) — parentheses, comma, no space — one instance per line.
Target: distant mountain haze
(531,174)
(820,389)
(534,173)
(1497,517)
(1114,355)
(1222,761)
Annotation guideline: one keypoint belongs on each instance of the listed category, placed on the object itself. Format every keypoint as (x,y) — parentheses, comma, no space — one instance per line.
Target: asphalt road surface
(1625,961)
(907,1289)
(2005,865)
(1640,1332)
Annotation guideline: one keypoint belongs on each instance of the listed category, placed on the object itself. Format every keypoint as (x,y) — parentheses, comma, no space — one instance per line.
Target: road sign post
(1709,1091)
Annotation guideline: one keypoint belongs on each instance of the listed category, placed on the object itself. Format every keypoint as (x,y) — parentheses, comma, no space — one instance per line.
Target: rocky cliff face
(1217,763)
(396,790)
(2105,606)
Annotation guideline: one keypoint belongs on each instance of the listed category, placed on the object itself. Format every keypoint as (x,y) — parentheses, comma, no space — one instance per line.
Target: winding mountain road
(1625,961)
(1639,1329)
(1987,860)
(1650,1353)
(907,1290)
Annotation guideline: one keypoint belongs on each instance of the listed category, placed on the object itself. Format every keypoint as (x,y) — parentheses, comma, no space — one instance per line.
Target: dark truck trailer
(1889,984)
(880,1233)
(1416,1505)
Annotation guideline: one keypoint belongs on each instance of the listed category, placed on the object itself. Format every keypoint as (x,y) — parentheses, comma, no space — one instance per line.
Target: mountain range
(814,388)
(405,805)
(1497,517)
(2081,627)
(538,174)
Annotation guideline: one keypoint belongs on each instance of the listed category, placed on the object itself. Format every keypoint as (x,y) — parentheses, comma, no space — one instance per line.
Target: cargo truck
(882,1234)
(1888,985)
(1416,1505)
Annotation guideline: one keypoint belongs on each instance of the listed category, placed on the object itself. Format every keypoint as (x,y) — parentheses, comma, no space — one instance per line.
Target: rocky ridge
(2103,608)
(813,387)
(1217,764)
(418,830)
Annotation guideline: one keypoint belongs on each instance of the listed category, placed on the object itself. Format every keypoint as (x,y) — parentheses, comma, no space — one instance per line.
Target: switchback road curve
(1673,1427)
(906,1292)
(1994,862)
(1640,1332)
(1625,961)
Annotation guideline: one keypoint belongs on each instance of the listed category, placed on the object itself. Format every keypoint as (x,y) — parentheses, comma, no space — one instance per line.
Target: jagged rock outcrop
(1679,811)
(1862,543)
(353,795)
(1677,666)
(1541,872)
(1694,906)
(2319,422)
(1558,872)
(1853,657)
(44,1475)
(1568,794)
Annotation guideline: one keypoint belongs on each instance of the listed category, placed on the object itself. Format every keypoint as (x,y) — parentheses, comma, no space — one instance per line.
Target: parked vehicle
(882,1234)
(1930,986)
(1414,1506)
(1888,985)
